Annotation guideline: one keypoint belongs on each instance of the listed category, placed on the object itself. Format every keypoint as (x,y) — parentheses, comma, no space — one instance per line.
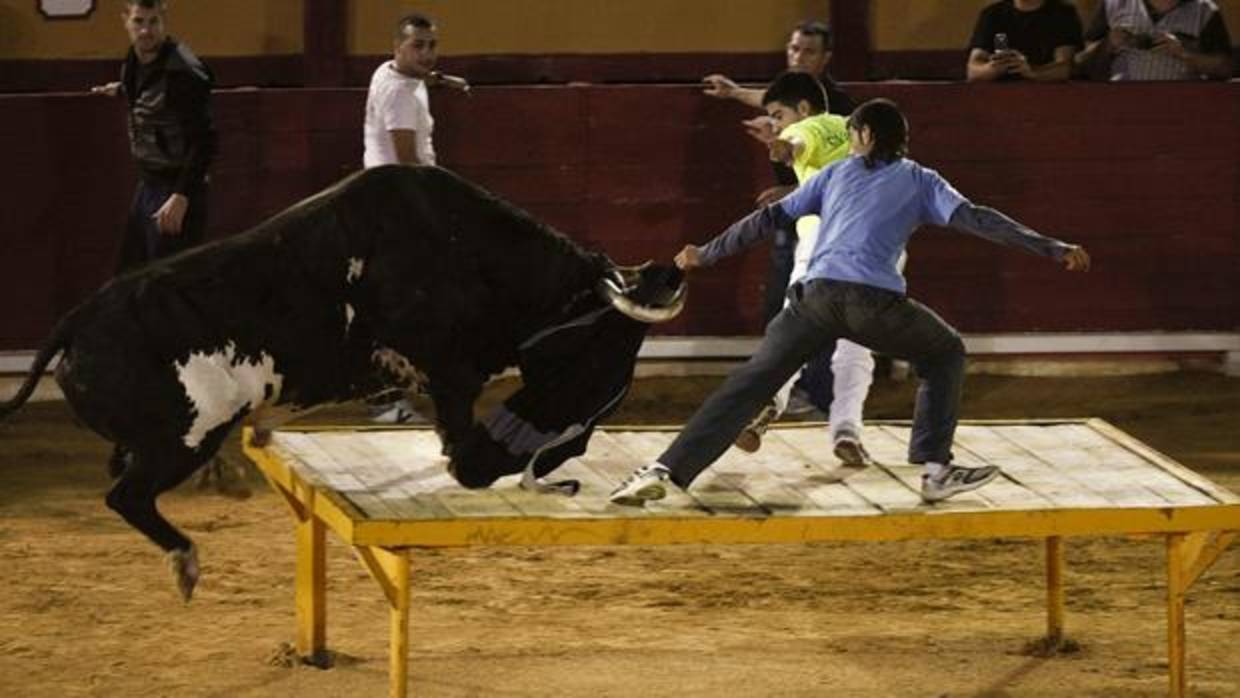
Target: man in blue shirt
(869,205)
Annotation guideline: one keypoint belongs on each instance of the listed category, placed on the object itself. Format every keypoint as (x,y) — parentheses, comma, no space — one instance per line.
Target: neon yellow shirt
(823,139)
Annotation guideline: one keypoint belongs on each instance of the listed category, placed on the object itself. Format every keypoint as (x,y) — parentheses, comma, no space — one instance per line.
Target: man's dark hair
(790,88)
(147,4)
(816,28)
(417,20)
(888,126)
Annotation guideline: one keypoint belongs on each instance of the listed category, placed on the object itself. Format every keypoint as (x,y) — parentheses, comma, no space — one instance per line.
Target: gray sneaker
(954,479)
(645,484)
(850,451)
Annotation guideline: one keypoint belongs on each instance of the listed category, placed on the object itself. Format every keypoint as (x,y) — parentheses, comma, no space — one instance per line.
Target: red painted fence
(1147,176)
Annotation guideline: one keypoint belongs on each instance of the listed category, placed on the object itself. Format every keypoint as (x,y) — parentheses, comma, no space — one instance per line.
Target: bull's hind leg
(133,497)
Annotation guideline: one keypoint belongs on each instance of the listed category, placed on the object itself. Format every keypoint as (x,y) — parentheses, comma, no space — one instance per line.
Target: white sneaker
(954,479)
(645,484)
(399,412)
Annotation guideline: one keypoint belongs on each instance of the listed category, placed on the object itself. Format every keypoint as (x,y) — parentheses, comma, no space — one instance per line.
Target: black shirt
(1036,34)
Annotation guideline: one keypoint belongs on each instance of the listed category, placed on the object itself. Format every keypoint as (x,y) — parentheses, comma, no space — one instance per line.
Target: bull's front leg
(454,389)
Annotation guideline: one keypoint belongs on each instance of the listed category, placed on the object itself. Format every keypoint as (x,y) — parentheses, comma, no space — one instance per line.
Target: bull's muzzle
(646,293)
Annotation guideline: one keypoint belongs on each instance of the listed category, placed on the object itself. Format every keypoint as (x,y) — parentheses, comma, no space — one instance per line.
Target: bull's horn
(642,313)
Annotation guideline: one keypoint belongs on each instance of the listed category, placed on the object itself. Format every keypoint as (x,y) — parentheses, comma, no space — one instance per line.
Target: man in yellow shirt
(799,132)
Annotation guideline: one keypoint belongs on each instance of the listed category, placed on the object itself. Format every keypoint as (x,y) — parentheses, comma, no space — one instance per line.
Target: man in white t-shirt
(398,131)
(398,114)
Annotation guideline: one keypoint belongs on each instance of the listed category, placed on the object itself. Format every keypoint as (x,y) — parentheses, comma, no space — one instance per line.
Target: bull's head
(646,293)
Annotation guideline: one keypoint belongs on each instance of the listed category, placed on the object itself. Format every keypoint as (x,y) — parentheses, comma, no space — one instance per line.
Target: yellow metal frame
(1195,537)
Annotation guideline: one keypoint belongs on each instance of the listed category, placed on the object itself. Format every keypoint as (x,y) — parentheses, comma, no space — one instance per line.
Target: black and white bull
(394,277)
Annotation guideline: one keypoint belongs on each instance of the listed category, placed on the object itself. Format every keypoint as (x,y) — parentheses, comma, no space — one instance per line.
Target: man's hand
(1119,40)
(1018,64)
(109,90)
(689,258)
(1075,259)
(761,128)
(1169,44)
(171,215)
(773,194)
(720,86)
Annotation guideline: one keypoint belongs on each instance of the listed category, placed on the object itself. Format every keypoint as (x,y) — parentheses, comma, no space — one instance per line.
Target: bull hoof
(470,480)
(184,566)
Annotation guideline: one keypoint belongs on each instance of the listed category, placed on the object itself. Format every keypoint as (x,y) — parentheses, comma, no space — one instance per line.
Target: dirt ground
(88,609)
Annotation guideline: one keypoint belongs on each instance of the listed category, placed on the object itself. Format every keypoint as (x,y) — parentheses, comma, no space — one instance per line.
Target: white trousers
(852,365)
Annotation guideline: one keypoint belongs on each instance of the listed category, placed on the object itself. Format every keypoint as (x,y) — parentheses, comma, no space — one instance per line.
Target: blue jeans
(820,312)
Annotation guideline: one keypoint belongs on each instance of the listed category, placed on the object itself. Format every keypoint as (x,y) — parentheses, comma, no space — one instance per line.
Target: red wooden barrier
(1148,176)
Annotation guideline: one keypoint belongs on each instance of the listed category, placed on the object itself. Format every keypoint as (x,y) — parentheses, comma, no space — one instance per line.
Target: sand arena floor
(88,609)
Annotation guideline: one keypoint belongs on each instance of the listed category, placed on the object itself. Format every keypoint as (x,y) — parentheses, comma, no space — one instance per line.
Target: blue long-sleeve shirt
(867,216)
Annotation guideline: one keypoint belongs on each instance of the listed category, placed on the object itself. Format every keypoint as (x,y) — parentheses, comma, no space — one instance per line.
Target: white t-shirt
(396,102)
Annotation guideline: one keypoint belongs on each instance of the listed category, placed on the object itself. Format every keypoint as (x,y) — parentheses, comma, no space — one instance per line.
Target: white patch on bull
(221,384)
(398,365)
(349,314)
(356,267)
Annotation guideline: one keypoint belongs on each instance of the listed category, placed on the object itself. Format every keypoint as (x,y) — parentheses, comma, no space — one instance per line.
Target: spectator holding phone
(1158,40)
(1024,40)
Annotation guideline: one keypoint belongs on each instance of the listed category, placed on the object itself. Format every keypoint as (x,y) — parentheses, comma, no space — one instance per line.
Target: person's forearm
(744,233)
(977,71)
(1214,65)
(1055,71)
(986,222)
(749,96)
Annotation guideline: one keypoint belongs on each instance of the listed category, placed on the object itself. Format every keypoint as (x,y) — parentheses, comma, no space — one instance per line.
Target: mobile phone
(1001,42)
(1144,42)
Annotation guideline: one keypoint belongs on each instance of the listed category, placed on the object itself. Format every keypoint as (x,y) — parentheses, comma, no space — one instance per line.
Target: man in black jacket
(168,92)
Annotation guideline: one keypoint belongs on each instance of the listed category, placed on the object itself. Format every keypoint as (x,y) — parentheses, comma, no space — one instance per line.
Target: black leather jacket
(171,133)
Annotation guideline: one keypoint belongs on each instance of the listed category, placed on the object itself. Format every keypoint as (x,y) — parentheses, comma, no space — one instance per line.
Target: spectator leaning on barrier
(168,92)
(398,122)
(1158,40)
(1024,39)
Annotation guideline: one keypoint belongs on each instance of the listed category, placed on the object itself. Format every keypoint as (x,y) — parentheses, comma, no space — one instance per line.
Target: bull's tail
(52,347)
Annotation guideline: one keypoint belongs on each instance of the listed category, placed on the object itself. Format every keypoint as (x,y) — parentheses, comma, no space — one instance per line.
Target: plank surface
(399,475)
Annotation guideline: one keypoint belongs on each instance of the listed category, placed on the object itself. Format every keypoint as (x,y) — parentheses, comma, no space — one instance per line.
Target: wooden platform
(386,490)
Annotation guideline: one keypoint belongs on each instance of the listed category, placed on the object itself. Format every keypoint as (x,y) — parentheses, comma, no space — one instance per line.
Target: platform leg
(390,568)
(311,592)
(1176,588)
(1054,591)
(399,660)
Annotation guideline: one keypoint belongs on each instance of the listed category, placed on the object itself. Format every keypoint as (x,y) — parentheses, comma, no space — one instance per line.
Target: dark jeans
(817,381)
(820,312)
(143,242)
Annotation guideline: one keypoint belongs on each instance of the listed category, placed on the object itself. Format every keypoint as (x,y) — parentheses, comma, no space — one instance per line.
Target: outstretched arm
(744,233)
(986,222)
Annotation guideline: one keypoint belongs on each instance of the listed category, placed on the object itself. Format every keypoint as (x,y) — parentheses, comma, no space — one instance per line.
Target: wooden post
(1054,591)
(311,591)
(1177,585)
(399,660)
(390,568)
